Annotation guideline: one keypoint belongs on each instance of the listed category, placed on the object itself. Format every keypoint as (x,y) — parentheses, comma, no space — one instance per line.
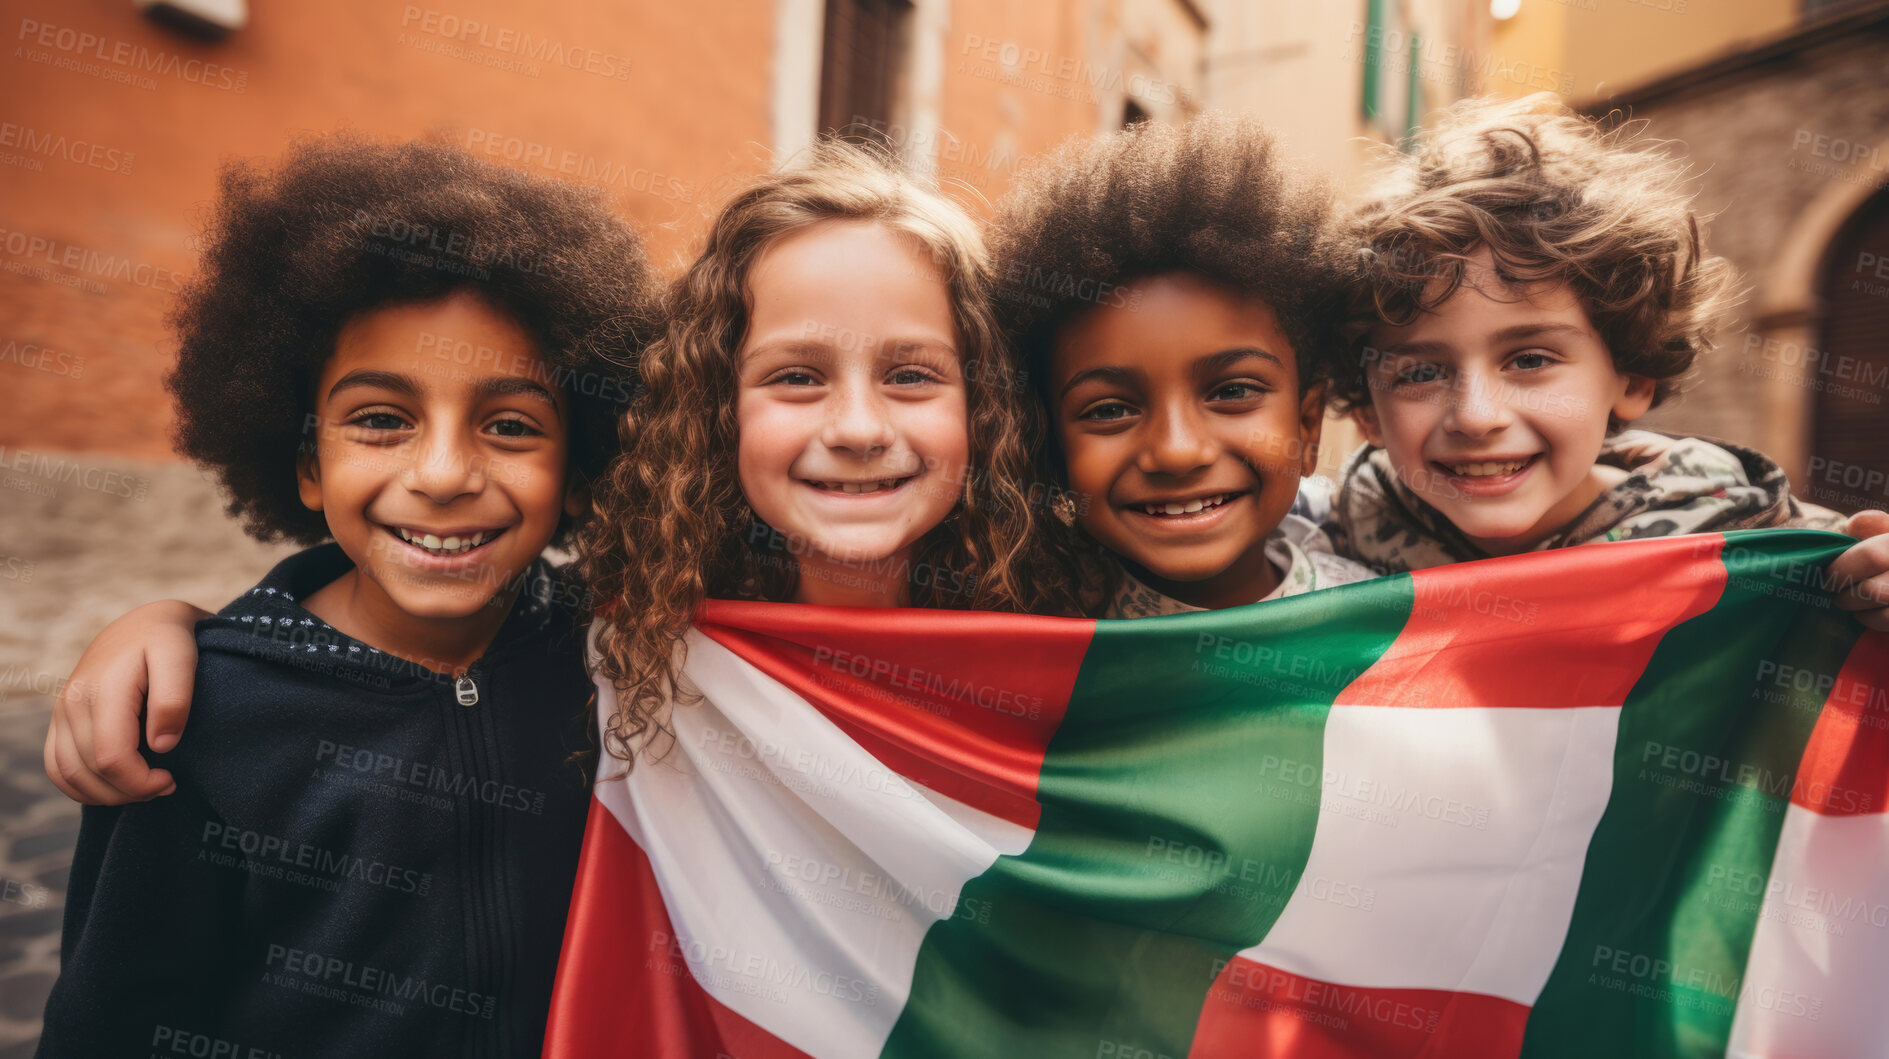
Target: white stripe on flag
(1449,848)
(1813,982)
(800,874)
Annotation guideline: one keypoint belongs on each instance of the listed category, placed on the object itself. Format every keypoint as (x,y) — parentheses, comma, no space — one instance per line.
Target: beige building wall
(1604,46)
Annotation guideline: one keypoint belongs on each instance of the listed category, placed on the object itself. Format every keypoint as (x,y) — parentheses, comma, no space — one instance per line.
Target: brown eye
(1106,412)
(909,377)
(1236,391)
(378,421)
(514,428)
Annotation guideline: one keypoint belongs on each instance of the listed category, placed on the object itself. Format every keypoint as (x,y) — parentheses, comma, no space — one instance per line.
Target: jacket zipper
(465,690)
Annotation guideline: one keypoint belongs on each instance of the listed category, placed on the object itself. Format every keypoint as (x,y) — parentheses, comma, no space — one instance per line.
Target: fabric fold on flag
(1620,799)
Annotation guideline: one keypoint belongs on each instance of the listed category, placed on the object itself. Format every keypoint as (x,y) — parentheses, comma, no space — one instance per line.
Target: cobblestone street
(81,541)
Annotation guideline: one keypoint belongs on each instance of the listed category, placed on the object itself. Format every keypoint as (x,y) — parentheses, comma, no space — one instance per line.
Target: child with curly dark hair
(1527,284)
(418,358)
(1171,289)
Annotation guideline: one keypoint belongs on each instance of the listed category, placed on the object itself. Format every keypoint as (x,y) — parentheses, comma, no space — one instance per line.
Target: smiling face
(1494,406)
(1183,426)
(851,406)
(441,480)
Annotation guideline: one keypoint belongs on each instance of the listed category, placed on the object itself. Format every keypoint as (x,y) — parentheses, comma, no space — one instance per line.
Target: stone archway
(1787,310)
(1849,455)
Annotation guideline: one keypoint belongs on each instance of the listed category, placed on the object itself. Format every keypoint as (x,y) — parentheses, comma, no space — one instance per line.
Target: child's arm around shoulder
(1862,572)
(142,664)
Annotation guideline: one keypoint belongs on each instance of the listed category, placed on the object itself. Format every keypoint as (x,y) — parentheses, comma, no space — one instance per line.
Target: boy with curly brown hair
(1527,283)
(408,354)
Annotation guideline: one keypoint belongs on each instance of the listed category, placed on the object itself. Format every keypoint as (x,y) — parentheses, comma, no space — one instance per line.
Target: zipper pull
(466,690)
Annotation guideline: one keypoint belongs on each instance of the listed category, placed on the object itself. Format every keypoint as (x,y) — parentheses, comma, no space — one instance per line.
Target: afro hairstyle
(344,226)
(1213,197)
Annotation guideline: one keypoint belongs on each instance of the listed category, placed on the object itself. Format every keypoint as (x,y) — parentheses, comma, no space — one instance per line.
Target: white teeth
(448,546)
(1487,468)
(1187,507)
(856,487)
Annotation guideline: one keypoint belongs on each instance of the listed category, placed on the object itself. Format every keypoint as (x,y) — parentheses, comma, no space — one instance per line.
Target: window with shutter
(864,47)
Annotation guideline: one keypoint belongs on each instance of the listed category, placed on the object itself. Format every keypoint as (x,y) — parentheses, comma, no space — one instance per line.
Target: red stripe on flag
(622,989)
(1258,1010)
(1845,769)
(1468,644)
(923,691)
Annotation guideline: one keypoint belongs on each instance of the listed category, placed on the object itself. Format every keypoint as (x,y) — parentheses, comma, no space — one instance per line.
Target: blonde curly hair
(672,527)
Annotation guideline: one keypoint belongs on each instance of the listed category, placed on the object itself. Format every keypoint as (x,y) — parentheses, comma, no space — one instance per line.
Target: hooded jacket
(362,858)
(1674,485)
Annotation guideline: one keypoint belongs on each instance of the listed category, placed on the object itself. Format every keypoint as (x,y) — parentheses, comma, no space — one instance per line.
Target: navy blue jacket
(354,863)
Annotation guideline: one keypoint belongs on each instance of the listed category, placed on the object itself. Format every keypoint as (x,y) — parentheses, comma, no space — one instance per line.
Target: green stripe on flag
(1708,748)
(1060,951)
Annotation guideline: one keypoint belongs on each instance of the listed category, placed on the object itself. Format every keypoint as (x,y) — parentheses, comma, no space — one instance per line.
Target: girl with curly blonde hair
(831,416)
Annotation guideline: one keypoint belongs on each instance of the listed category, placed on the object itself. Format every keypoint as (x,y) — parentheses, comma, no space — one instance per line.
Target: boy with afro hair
(1171,289)
(1527,284)
(411,355)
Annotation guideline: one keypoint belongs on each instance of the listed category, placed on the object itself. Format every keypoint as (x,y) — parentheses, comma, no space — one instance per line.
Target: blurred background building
(115,116)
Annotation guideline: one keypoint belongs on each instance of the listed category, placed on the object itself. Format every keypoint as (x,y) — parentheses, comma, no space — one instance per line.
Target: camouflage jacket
(1674,485)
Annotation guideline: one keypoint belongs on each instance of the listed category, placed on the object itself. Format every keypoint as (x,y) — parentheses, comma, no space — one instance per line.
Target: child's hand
(1863,571)
(143,663)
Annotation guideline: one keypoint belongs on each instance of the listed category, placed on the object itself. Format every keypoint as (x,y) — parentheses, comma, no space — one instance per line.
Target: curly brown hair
(1214,197)
(672,527)
(344,226)
(1555,197)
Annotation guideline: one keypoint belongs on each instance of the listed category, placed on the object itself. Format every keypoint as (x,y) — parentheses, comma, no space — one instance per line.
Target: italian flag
(1620,799)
